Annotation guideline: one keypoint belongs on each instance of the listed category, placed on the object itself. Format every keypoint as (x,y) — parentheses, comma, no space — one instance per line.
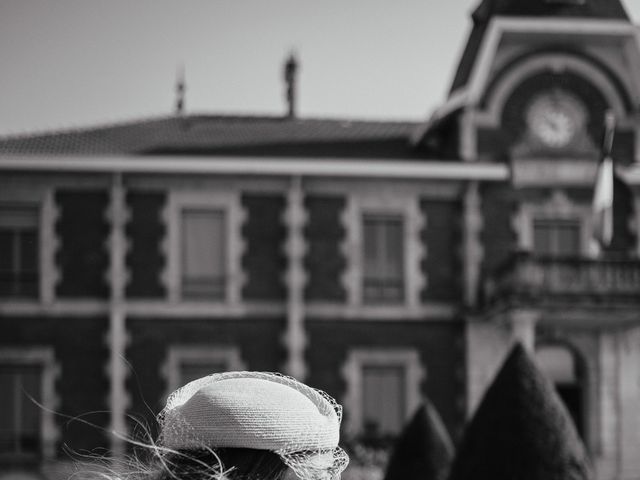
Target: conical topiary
(423,451)
(521,430)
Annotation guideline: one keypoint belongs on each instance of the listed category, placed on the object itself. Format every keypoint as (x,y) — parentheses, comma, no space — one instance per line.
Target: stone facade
(352,255)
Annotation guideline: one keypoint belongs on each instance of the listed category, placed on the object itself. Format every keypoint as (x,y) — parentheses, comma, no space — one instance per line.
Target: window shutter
(20,251)
(383,398)
(203,253)
(20,417)
(383,247)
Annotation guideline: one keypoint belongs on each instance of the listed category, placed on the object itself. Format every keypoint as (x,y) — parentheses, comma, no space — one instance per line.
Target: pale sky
(77,63)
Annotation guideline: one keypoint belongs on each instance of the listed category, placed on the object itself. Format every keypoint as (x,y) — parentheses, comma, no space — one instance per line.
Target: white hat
(258,410)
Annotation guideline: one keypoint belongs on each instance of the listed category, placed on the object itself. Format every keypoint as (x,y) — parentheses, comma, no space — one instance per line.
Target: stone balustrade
(526,278)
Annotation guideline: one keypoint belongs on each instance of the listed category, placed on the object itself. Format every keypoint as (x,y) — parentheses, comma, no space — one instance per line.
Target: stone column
(487,344)
(628,401)
(117,332)
(607,406)
(48,248)
(486,341)
(294,337)
(636,220)
(522,324)
(472,247)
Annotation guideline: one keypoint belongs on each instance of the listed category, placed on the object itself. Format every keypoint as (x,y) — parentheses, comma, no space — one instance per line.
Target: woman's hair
(221,464)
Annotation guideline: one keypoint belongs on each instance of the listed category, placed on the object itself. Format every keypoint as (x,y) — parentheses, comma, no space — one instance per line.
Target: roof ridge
(284,119)
(78,129)
(198,132)
(199,117)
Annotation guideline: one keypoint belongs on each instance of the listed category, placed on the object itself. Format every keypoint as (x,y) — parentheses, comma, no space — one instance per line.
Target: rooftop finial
(180,90)
(290,69)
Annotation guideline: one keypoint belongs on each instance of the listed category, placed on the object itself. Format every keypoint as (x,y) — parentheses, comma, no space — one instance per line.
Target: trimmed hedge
(521,430)
(423,451)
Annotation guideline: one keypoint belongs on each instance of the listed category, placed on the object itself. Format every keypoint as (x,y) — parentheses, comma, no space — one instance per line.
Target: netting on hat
(302,430)
(309,465)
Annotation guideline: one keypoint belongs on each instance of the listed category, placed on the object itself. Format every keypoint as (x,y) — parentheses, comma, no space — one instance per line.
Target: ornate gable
(482,15)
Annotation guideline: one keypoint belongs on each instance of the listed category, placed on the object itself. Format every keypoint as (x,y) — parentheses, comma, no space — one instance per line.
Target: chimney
(180,91)
(290,68)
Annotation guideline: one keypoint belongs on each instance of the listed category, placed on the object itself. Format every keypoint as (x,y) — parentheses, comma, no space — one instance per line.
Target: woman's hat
(259,410)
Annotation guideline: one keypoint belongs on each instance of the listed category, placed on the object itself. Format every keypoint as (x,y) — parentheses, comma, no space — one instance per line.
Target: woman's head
(258,425)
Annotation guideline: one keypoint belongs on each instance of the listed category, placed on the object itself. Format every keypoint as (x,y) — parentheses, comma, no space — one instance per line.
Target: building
(379,261)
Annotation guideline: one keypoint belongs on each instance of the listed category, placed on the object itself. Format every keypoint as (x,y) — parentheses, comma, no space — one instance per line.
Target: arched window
(560,364)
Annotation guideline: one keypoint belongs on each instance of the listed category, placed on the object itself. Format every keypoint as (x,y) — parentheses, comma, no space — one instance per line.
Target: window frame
(35,210)
(40,199)
(565,2)
(352,372)
(381,201)
(226,202)
(375,405)
(558,206)
(43,358)
(220,280)
(552,225)
(383,219)
(580,381)
(178,354)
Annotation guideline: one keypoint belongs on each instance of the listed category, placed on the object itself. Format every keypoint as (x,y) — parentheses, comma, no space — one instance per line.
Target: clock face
(554,118)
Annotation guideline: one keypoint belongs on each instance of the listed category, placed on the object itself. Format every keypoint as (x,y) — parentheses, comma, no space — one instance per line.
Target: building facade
(380,261)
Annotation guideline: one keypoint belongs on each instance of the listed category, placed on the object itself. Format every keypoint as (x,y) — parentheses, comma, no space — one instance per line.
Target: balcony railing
(525,277)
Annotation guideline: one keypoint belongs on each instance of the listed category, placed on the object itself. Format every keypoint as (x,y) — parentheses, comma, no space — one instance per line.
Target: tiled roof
(225,135)
(592,9)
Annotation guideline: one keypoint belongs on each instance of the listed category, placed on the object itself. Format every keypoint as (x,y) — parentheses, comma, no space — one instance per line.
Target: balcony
(529,280)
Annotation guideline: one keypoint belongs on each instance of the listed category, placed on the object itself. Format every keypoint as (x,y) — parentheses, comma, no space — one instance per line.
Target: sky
(79,63)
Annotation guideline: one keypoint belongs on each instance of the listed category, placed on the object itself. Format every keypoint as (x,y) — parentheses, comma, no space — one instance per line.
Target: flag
(603,191)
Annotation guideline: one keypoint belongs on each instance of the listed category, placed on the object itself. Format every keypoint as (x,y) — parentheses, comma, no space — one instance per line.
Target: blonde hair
(156,463)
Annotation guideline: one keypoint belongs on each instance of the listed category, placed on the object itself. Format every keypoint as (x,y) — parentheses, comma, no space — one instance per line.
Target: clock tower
(531,90)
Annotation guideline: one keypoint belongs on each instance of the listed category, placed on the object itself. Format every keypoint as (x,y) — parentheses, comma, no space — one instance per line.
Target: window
(383,390)
(204,248)
(555,227)
(192,369)
(189,362)
(383,251)
(565,2)
(559,365)
(557,237)
(383,399)
(19,272)
(203,253)
(20,413)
